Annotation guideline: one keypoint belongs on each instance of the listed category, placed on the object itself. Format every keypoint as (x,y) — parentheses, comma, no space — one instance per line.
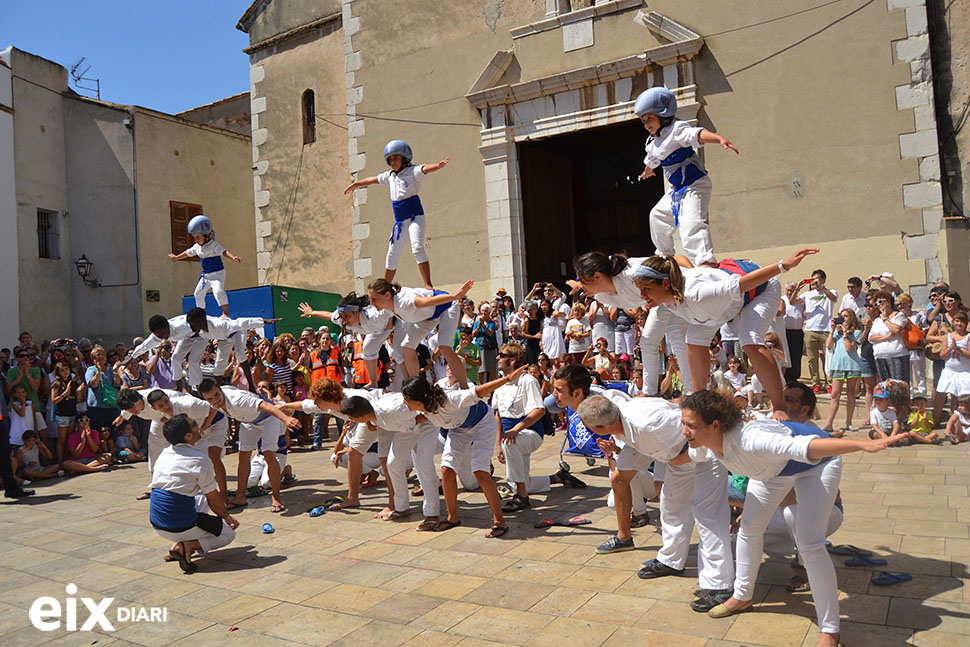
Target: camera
(839,320)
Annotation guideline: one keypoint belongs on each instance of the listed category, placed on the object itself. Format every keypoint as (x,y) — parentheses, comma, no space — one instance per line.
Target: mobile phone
(806,281)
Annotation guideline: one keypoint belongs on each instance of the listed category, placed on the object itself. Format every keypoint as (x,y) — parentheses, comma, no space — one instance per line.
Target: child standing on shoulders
(210,253)
(920,422)
(671,145)
(404,180)
(958,426)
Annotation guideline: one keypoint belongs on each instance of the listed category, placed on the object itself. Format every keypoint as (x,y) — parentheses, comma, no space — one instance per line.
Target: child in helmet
(210,253)
(404,179)
(671,145)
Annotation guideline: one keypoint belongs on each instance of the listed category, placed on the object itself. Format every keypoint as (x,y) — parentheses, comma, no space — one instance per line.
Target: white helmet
(200,226)
(657,101)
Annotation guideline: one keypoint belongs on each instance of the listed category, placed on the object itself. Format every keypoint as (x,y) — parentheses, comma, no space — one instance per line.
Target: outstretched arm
(707,137)
(824,447)
(431,168)
(232,257)
(275,411)
(753,279)
(307,311)
(437,300)
(359,183)
(179,257)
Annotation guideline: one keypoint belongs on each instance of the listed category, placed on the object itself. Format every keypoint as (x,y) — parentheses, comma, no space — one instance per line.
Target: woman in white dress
(601,322)
(553,324)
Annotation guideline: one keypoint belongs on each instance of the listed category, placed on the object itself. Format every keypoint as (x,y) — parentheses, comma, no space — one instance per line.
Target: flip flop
(318,511)
(277,507)
(885,578)
(801,583)
(574,521)
(395,515)
(640,521)
(444,525)
(860,560)
(268,529)
(428,525)
(236,506)
(143,496)
(186,566)
(848,549)
(496,532)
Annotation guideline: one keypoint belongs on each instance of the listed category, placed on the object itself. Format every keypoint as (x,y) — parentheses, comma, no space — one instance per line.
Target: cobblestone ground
(348,579)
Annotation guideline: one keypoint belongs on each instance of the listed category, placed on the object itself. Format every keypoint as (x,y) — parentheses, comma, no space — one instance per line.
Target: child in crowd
(127,447)
(958,426)
(26,463)
(920,422)
(734,376)
(404,180)
(21,415)
(955,378)
(883,419)
(210,253)
(671,145)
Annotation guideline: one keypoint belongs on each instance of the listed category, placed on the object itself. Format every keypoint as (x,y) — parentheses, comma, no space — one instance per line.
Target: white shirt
(179,329)
(794,314)
(183,469)
(855,304)
(392,414)
(403,184)
(818,310)
(679,134)
(310,407)
(404,306)
(894,346)
(519,398)
(652,426)
(578,326)
(241,405)
(151,414)
(711,297)
(760,449)
(372,321)
(191,406)
(454,410)
(883,419)
(627,294)
(209,250)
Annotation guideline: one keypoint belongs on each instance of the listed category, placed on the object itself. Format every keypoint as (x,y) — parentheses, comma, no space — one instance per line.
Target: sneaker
(316,447)
(26,482)
(817,388)
(60,472)
(614,545)
(711,600)
(653,569)
(951,439)
(828,390)
(19,493)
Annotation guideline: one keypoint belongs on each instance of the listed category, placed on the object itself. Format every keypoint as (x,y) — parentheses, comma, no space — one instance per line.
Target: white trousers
(216,281)
(235,342)
(815,491)
(415,231)
(478,442)
(464,467)
(446,324)
(258,474)
(697,492)
(695,232)
(518,461)
(190,348)
(780,533)
(660,322)
(641,487)
(624,341)
(156,443)
(370,462)
(418,445)
(206,540)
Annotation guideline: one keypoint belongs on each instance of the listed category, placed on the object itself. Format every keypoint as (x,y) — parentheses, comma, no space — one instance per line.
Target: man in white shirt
(854,299)
(262,422)
(819,302)
(794,320)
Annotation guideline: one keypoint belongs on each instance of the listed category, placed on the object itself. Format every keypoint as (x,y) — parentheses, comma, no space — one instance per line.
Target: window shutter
(181,213)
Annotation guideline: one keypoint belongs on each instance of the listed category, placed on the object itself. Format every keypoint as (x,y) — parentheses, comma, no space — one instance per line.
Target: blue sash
(404,210)
(579,439)
(443,308)
(475,415)
(683,177)
(219,416)
(537,426)
(262,414)
(741,268)
(171,511)
(211,264)
(801,429)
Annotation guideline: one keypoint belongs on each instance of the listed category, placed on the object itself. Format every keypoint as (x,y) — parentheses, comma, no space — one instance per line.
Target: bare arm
(359,183)
(431,168)
(753,279)
(179,257)
(821,448)
(231,256)
(273,410)
(440,299)
(707,137)
(485,390)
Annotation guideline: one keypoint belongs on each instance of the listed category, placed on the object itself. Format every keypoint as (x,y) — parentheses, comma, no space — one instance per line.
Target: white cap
(888,275)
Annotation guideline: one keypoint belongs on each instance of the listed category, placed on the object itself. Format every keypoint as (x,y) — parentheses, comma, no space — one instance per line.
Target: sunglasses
(949,300)
(879,302)
(505,355)
(79,419)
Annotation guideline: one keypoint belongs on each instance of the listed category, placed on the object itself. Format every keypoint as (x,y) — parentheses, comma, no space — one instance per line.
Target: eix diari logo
(46,613)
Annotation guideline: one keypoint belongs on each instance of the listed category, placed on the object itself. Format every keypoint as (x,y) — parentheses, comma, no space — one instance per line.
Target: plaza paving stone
(348,579)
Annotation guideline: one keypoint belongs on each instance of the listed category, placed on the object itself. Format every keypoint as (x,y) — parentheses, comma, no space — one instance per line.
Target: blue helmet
(200,226)
(398,147)
(657,101)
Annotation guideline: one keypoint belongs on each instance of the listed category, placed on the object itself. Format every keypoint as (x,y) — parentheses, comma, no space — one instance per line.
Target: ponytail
(419,390)
(352,299)
(588,264)
(666,267)
(383,286)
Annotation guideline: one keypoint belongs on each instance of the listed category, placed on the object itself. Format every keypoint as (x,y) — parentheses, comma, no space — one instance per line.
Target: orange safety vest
(329,367)
(360,369)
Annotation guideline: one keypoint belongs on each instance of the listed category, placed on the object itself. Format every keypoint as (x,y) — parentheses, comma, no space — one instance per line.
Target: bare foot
(385,513)
(828,640)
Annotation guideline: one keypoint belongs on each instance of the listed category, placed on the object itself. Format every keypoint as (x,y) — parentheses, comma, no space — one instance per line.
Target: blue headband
(647,272)
(347,308)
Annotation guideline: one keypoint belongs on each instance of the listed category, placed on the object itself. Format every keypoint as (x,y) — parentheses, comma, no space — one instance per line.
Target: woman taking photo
(845,337)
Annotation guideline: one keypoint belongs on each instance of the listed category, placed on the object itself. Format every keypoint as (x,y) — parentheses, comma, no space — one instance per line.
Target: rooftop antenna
(80,77)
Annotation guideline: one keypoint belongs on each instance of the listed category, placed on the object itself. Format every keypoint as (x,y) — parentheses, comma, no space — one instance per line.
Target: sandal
(517,503)
(446,525)
(186,566)
(395,515)
(277,507)
(236,506)
(430,524)
(885,578)
(639,521)
(497,531)
(143,496)
(798,582)
(569,480)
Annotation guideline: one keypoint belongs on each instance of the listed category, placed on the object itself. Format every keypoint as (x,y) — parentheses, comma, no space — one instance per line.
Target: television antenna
(80,78)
